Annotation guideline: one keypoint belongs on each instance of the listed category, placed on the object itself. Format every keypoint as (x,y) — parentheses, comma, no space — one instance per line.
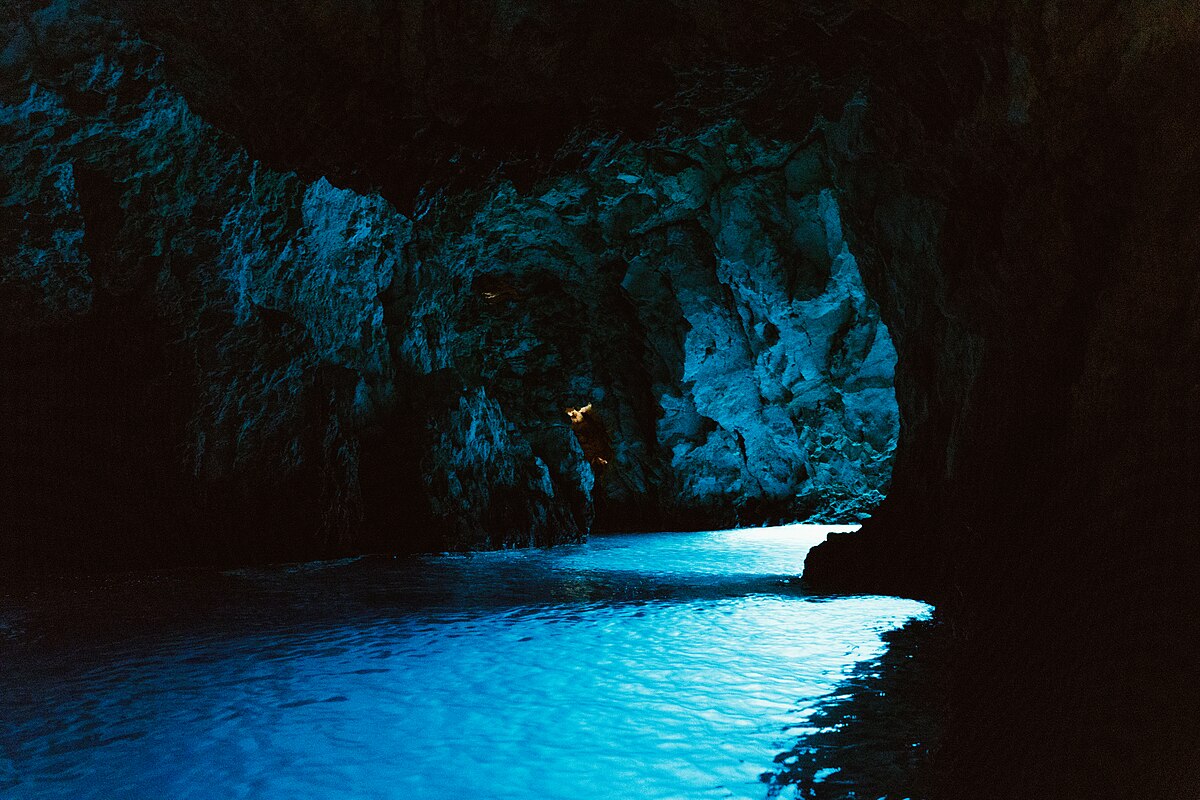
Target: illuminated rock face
(271,366)
(699,294)
(1018,192)
(198,338)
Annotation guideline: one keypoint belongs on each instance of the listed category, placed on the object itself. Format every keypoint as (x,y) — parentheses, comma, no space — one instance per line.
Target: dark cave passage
(318,283)
(359,379)
(592,435)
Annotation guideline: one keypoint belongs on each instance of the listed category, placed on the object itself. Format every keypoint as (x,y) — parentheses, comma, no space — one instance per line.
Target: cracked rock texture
(1016,180)
(699,294)
(197,336)
(219,360)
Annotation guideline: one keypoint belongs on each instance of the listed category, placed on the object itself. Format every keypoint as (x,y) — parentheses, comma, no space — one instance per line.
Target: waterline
(648,666)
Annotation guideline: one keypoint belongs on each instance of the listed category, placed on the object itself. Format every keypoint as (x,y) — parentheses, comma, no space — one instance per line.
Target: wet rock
(287,368)
(489,483)
(699,295)
(197,338)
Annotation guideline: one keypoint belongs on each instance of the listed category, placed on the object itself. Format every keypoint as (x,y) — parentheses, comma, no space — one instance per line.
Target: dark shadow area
(200,349)
(879,735)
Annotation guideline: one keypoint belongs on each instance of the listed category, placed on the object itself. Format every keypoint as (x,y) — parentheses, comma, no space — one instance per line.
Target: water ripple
(655,667)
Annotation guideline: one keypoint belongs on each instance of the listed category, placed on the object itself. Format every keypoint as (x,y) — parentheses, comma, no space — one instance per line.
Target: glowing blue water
(660,666)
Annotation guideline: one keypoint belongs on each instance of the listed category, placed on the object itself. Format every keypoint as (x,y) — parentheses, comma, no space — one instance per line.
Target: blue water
(647,666)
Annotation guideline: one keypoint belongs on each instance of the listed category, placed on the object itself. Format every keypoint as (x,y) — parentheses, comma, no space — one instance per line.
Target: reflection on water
(880,729)
(649,666)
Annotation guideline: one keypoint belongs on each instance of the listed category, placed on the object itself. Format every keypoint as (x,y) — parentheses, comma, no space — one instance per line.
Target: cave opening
(592,435)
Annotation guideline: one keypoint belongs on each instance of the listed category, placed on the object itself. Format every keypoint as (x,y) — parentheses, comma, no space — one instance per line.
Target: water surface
(638,666)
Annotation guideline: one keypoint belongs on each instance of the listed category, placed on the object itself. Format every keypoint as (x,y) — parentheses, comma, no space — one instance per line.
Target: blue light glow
(651,666)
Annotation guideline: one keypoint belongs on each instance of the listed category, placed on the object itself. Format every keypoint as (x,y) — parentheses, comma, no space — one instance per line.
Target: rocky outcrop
(218,360)
(1016,180)
(195,336)
(1021,196)
(698,293)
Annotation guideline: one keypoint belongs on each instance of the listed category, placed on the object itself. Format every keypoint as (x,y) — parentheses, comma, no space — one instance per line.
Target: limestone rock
(699,293)
(279,367)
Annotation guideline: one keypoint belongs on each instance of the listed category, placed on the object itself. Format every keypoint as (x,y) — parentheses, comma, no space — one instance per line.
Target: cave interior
(285,282)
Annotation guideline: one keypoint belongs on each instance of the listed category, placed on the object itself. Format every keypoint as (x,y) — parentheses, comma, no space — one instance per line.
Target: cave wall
(698,293)
(218,360)
(194,340)
(1020,192)
(1017,182)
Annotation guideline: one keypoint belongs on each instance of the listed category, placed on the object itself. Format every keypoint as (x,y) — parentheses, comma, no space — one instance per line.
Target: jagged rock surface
(185,307)
(267,366)
(699,293)
(1018,182)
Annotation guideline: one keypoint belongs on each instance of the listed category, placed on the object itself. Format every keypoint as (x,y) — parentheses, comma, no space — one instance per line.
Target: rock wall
(217,360)
(699,294)
(194,338)
(1021,195)
(1017,180)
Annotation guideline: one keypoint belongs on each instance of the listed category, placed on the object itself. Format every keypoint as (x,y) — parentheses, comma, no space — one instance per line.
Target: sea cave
(623,398)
